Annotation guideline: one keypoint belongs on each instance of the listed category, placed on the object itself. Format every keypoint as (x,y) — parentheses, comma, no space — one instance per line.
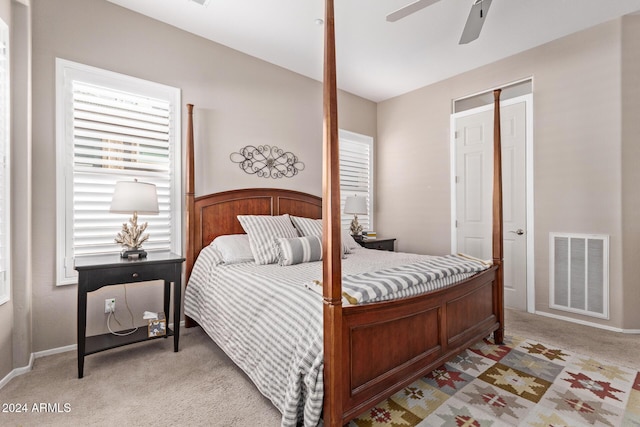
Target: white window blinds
(117,136)
(356,175)
(4,164)
(113,133)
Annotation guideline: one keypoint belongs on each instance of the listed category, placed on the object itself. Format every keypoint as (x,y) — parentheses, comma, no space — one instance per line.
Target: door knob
(519,231)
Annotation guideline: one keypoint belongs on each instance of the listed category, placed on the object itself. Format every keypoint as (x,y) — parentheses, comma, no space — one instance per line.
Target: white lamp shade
(355,205)
(134,196)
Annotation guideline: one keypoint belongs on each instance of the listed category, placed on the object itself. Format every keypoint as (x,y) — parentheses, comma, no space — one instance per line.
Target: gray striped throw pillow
(299,249)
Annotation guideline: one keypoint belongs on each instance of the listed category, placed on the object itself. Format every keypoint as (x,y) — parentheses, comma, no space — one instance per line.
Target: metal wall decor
(267,161)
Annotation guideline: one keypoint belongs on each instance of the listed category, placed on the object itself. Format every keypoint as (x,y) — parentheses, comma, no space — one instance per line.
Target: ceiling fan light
(475,21)
(204,3)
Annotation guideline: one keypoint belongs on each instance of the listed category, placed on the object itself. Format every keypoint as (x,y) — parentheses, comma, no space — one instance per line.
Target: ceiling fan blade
(477,15)
(409,9)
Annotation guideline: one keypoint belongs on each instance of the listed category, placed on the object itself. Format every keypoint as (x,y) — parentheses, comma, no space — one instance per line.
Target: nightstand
(379,244)
(95,272)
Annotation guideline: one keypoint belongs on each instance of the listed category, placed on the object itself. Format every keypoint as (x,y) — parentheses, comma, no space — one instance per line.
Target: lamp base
(355,228)
(133,254)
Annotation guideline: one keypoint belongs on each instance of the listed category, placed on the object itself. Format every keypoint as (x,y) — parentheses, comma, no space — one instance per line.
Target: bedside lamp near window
(135,198)
(355,205)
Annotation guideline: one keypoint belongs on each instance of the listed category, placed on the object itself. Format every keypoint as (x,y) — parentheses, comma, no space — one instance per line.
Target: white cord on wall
(113,313)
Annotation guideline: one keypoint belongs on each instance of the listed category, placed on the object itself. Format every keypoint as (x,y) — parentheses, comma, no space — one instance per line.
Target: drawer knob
(135,274)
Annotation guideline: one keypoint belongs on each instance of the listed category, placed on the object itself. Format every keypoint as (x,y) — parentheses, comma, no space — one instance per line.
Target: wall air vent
(579,276)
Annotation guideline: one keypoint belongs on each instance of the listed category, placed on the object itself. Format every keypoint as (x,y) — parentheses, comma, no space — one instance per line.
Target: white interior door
(474,176)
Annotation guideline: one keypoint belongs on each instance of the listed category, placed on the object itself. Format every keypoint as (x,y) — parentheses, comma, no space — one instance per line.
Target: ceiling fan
(477,15)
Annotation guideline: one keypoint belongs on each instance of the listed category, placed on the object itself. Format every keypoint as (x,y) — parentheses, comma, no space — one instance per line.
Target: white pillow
(234,248)
(299,249)
(263,230)
(348,241)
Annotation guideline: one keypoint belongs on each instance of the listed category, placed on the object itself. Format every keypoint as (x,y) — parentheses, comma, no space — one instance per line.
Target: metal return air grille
(579,276)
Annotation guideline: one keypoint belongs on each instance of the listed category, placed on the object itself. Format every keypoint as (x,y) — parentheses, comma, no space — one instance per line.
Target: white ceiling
(379,59)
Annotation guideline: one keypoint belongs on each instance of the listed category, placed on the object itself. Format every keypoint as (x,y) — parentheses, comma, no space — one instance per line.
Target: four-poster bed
(418,333)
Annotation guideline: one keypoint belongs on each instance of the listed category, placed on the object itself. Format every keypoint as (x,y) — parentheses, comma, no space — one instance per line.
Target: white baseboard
(19,371)
(53,351)
(586,323)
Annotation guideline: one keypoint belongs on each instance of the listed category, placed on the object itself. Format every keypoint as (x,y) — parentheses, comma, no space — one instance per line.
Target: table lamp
(135,198)
(355,205)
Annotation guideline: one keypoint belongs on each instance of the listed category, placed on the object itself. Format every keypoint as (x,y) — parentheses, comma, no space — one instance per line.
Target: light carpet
(521,383)
(148,384)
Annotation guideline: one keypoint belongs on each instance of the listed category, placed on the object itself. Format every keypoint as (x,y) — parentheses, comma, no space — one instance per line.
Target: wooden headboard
(216,214)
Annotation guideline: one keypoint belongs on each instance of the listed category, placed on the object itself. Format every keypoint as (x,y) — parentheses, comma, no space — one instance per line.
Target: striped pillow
(263,230)
(313,227)
(299,249)
(307,226)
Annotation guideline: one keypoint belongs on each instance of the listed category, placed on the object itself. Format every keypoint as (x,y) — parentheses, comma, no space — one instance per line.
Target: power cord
(112,313)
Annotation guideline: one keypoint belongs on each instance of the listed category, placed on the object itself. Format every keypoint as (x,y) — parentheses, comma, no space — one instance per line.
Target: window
(356,175)
(5,240)
(112,127)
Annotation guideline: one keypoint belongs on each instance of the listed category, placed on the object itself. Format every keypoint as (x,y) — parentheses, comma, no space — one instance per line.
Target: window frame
(345,219)
(66,73)
(5,163)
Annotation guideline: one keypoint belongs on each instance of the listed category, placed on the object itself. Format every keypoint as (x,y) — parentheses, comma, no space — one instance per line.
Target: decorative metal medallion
(267,161)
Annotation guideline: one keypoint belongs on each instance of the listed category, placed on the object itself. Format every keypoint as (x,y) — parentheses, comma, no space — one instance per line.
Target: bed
(352,372)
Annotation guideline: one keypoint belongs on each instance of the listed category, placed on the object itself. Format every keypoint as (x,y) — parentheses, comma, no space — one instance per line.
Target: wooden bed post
(331,245)
(498,253)
(189,204)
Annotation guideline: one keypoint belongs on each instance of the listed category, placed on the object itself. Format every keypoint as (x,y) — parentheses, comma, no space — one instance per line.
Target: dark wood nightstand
(94,272)
(380,244)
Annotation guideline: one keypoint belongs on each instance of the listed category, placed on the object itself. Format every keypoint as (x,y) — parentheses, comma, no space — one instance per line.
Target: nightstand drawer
(137,273)
(379,244)
(105,276)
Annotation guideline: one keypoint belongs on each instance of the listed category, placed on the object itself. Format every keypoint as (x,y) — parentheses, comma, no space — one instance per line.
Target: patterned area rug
(521,383)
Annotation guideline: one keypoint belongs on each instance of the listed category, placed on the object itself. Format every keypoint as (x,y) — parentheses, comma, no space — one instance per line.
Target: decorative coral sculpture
(131,236)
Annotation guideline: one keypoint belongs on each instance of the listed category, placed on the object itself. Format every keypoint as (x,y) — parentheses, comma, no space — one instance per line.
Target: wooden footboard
(386,346)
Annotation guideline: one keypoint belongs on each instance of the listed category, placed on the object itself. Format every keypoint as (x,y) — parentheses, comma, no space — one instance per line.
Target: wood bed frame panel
(374,350)
(216,214)
(391,344)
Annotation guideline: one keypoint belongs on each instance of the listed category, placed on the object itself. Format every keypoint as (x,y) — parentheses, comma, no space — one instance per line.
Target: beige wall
(577,154)
(238,100)
(630,169)
(15,315)
(6,309)
(21,219)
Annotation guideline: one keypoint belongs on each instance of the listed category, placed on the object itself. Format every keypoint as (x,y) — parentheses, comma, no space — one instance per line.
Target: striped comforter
(377,285)
(270,324)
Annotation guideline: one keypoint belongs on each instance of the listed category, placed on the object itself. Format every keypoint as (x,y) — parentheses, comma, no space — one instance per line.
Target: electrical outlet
(109,305)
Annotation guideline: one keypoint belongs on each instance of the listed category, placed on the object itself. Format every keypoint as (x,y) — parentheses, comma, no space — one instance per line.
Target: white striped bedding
(270,324)
(375,285)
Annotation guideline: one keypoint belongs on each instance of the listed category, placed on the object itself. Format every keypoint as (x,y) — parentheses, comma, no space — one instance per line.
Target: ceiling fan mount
(472,28)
